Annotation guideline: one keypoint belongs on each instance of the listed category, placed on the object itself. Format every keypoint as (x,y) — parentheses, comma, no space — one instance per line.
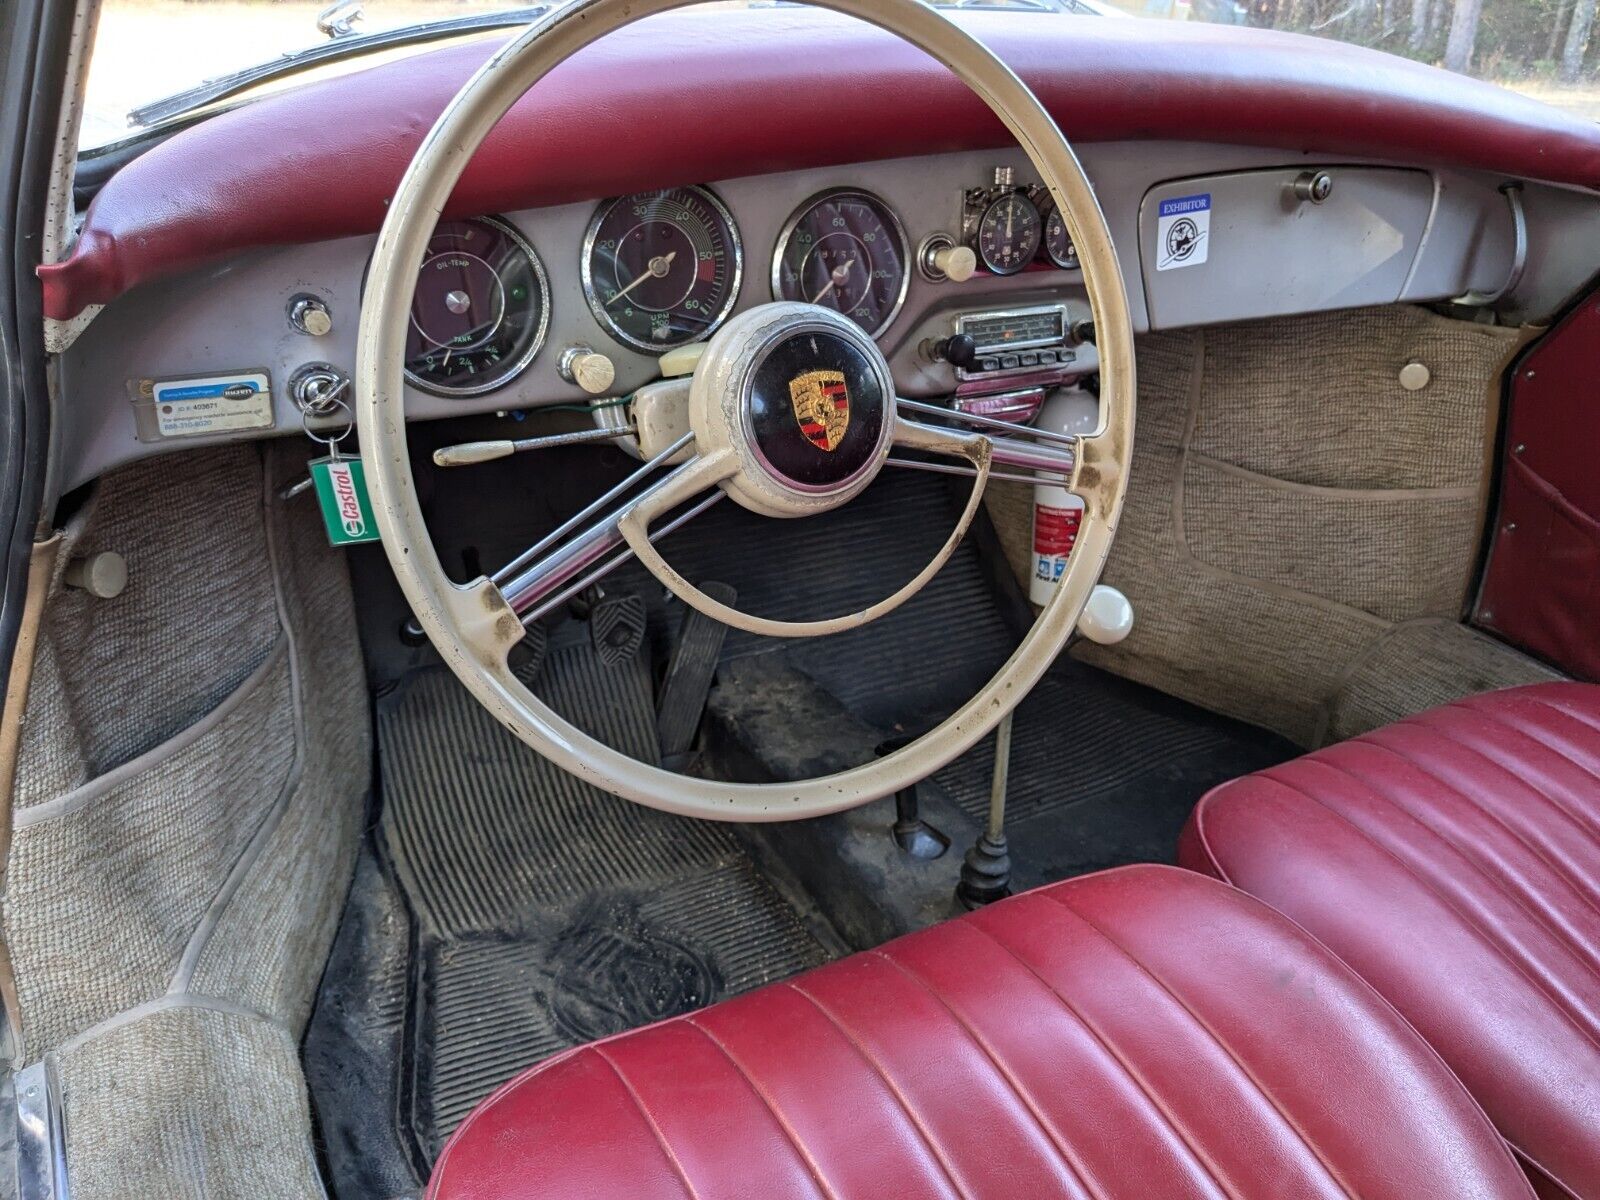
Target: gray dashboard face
(1442,233)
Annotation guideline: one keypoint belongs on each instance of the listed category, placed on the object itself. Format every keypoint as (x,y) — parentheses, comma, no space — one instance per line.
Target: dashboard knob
(309,314)
(958,350)
(955,263)
(588,368)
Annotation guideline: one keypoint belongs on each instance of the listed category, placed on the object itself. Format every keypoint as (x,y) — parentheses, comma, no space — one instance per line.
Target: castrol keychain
(341,486)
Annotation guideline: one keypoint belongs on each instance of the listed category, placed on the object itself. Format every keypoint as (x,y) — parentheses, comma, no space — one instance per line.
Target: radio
(996,344)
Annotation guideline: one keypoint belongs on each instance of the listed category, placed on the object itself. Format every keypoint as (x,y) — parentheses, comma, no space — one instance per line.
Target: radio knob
(958,350)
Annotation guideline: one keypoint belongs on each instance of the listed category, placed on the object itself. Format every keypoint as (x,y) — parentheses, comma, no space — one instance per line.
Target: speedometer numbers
(845,250)
(662,269)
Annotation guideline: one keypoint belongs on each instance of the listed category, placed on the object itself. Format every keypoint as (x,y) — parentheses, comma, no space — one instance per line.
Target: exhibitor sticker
(1183,231)
(214,404)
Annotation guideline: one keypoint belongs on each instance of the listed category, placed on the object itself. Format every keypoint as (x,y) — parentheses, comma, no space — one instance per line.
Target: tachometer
(846,250)
(1058,242)
(479,311)
(1008,234)
(661,269)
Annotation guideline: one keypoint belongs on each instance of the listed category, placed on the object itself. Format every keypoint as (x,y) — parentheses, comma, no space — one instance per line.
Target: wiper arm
(350,45)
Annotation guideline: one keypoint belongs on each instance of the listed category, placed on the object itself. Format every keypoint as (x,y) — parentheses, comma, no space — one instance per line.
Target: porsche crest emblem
(821,406)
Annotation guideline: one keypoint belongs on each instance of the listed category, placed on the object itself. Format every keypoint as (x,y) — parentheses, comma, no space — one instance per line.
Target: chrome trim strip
(41,1133)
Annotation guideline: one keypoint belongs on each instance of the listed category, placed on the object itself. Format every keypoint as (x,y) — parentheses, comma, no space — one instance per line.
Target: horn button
(804,398)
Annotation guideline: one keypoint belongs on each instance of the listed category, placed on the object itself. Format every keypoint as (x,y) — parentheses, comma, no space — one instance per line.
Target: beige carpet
(1291,505)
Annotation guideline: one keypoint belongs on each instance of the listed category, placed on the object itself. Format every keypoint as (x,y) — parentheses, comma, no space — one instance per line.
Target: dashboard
(559,305)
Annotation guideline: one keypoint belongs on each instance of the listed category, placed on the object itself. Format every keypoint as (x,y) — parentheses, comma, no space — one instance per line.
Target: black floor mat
(547,912)
(1104,772)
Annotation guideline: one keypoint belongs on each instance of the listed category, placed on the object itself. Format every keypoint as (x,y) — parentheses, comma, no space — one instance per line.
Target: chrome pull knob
(310,316)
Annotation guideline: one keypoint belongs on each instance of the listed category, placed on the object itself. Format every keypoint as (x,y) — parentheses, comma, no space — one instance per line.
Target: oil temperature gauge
(1009,233)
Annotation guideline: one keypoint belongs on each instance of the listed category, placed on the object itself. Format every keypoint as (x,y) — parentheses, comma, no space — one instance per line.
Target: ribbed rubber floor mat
(1104,772)
(550,913)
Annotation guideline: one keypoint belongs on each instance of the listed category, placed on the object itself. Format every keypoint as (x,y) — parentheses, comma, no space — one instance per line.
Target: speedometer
(662,269)
(846,250)
(479,311)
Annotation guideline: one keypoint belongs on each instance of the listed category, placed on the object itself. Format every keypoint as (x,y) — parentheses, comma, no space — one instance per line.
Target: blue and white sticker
(213,404)
(1183,231)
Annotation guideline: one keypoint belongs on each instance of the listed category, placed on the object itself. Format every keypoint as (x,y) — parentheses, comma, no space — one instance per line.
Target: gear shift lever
(986,871)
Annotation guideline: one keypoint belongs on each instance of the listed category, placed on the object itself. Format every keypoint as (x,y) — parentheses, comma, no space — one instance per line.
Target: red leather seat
(1453,859)
(1145,1032)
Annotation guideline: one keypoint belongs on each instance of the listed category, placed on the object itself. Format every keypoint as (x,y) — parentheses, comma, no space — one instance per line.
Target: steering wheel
(745,440)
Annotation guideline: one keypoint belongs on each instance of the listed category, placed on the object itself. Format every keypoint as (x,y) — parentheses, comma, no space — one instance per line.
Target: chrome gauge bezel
(525,359)
(586,272)
(895,223)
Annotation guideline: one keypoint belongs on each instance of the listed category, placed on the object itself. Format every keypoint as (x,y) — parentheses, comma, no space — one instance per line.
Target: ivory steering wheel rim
(472,625)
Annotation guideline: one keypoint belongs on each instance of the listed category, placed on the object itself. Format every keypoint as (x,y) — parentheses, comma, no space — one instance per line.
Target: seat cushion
(1145,1032)
(1453,859)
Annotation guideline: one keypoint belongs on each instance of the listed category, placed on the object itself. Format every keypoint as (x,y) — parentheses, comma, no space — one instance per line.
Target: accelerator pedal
(682,700)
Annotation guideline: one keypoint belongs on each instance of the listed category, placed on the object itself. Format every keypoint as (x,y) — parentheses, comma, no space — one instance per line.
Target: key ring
(331,441)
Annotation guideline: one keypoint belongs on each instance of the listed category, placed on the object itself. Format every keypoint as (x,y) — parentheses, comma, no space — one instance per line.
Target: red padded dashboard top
(701,95)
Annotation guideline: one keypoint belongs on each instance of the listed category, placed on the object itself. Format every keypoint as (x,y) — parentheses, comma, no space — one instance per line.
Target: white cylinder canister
(1056,511)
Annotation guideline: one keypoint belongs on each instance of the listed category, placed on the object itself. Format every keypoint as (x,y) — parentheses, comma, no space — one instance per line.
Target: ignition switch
(317,388)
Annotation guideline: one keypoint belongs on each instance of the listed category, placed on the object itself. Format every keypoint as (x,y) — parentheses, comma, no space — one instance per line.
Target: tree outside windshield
(149,49)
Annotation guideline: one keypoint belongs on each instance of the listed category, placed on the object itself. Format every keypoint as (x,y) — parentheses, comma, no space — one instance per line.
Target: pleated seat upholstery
(1142,1033)
(1453,859)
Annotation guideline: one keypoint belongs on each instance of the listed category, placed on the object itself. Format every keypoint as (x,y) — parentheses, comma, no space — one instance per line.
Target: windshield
(150,49)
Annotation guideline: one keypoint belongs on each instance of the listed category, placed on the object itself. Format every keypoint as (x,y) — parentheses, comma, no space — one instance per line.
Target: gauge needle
(658,268)
(838,278)
(1011,217)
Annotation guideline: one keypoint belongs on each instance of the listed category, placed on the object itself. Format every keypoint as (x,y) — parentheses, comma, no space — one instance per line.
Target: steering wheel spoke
(1019,453)
(591,545)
